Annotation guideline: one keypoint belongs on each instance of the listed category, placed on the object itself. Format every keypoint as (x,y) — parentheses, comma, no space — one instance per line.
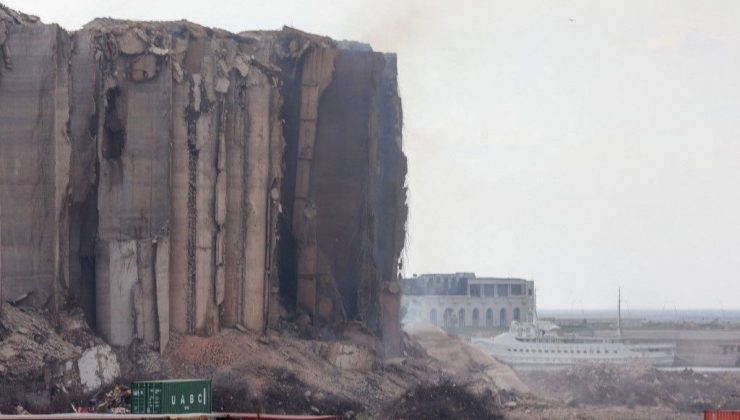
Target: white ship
(526,344)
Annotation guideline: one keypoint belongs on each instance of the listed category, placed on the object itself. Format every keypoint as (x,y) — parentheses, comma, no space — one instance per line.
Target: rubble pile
(284,373)
(29,345)
(443,400)
(464,362)
(42,366)
(598,384)
(116,401)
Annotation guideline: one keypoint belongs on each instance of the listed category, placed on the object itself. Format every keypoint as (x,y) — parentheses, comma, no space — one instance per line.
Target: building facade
(464,301)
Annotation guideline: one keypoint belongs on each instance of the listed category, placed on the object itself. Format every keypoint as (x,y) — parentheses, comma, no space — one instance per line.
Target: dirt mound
(443,400)
(39,368)
(291,375)
(28,343)
(638,386)
(284,394)
(463,361)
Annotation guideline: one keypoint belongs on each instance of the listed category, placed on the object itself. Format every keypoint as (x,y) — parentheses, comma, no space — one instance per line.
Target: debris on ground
(463,361)
(600,384)
(117,401)
(289,374)
(44,368)
(98,366)
(443,400)
(29,344)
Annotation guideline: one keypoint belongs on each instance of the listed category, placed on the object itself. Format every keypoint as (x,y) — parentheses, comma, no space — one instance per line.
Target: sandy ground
(463,361)
(286,367)
(600,413)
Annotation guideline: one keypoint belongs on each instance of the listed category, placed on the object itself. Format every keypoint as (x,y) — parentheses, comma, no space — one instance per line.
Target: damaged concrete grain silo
(171,177)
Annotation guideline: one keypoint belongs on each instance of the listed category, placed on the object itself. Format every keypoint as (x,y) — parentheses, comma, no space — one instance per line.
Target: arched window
(517,314)
(476,317)
(433,316)
(461,318)
(502,318)
(489,318)
(449,318)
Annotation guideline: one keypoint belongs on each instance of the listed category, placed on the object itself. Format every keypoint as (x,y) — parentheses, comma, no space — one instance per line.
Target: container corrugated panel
(721,415)
(182,396)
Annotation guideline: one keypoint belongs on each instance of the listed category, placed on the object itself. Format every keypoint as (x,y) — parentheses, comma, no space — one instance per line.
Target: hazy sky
(583,144)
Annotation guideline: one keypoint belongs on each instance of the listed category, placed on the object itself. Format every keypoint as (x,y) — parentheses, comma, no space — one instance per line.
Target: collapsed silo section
(348,198)
(133,93)
(189,159)
(187,179)
(389,203)
(227,154)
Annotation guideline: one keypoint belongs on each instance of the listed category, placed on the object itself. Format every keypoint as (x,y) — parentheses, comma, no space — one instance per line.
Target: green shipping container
(180,396)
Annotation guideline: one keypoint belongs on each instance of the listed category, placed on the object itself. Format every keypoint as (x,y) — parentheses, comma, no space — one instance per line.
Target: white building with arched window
(464,301)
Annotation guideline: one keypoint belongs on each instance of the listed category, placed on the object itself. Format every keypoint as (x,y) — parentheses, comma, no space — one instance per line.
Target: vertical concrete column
(257,173)
(220,214)
(62,162)
(235,123)
(206,144)
(277,146)
(392,196)
(179,190)
(194,177)
(147,325)
(34,162)
(317,74)
(162,285)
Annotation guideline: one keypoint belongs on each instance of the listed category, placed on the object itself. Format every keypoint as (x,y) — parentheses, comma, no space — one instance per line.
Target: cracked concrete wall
(34,159)
(188,179)
(83,221)
(133,136)
(354,217)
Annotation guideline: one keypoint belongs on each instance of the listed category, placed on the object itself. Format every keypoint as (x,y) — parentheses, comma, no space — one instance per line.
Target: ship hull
(553,352)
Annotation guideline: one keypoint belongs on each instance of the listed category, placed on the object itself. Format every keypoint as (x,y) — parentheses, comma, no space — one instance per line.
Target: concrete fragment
(222,85)
(116,273)
(4,49)
(177,72)
(162,282)
(221,199)
(144,67)
(220,266)
(351,357)
(138,300)
(159,51)
(131,43)
(240,63)
(98,366)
